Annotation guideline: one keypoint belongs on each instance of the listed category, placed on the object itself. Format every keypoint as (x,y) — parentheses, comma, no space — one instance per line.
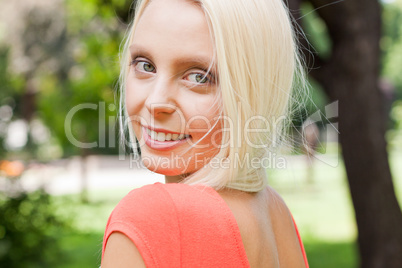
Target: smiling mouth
(162,136)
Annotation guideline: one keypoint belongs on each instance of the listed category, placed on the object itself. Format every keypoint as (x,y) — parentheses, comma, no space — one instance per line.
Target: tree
(350,75)
(67,59)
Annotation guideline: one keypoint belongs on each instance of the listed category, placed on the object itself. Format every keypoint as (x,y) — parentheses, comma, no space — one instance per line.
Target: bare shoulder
(121,252)
(287,242)
(277,206)
(266,227)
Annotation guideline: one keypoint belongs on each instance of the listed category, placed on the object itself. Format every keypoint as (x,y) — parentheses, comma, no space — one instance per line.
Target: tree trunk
(351,75)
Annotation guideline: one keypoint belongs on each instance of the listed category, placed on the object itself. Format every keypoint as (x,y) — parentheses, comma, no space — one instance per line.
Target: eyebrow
(195,61)
(134,50)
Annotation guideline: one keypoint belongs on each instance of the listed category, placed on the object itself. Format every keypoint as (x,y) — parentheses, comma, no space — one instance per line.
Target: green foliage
(10,84)
(10,93)
(29,231)
(81,249)
(96,34)
(394,136)
(320,45)
(316,32)
(391,44)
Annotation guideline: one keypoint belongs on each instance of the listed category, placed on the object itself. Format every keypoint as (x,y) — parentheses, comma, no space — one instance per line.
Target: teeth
(161,136)
(153,135)
(175,137)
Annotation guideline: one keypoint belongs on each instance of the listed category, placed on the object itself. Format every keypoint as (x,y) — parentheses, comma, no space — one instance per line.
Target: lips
(163,141)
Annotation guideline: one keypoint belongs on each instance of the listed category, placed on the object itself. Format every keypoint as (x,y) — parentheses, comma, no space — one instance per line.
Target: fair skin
(171,51)
(265,225)
(170,91)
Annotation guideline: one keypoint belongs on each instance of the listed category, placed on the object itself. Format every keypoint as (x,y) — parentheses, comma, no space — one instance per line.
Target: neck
(172,179)
(175,179)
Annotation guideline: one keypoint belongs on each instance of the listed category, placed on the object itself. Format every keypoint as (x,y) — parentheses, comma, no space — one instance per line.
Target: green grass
(321,207)
(81,249)
(331,254)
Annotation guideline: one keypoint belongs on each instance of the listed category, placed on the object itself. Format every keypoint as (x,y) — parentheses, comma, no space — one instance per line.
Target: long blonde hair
(258,65)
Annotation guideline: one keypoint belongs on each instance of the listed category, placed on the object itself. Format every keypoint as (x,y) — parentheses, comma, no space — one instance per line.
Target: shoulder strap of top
(177,225)
(148,217)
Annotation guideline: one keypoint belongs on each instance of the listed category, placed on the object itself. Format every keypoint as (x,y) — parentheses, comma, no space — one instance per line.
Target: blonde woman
(206,87)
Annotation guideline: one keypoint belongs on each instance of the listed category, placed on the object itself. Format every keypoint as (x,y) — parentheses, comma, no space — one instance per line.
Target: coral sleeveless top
(178,225)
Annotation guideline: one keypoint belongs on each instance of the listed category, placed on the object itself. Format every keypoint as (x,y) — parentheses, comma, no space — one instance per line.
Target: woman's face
(170,95)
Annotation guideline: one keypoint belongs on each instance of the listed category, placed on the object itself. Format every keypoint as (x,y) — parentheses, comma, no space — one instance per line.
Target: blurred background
(62,169)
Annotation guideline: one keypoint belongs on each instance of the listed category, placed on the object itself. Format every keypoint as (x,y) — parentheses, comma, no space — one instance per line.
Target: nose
(161,100)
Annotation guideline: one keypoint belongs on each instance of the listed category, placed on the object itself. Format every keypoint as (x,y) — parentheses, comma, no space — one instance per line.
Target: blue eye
(146,66)
(143,66)
(198,78)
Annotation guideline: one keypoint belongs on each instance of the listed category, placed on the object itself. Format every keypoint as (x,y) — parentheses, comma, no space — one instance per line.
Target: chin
(169,171)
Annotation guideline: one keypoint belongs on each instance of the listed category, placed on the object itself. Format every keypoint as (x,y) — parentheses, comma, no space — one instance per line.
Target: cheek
(136,94)
(203,120)
(133,98)
(134,104)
